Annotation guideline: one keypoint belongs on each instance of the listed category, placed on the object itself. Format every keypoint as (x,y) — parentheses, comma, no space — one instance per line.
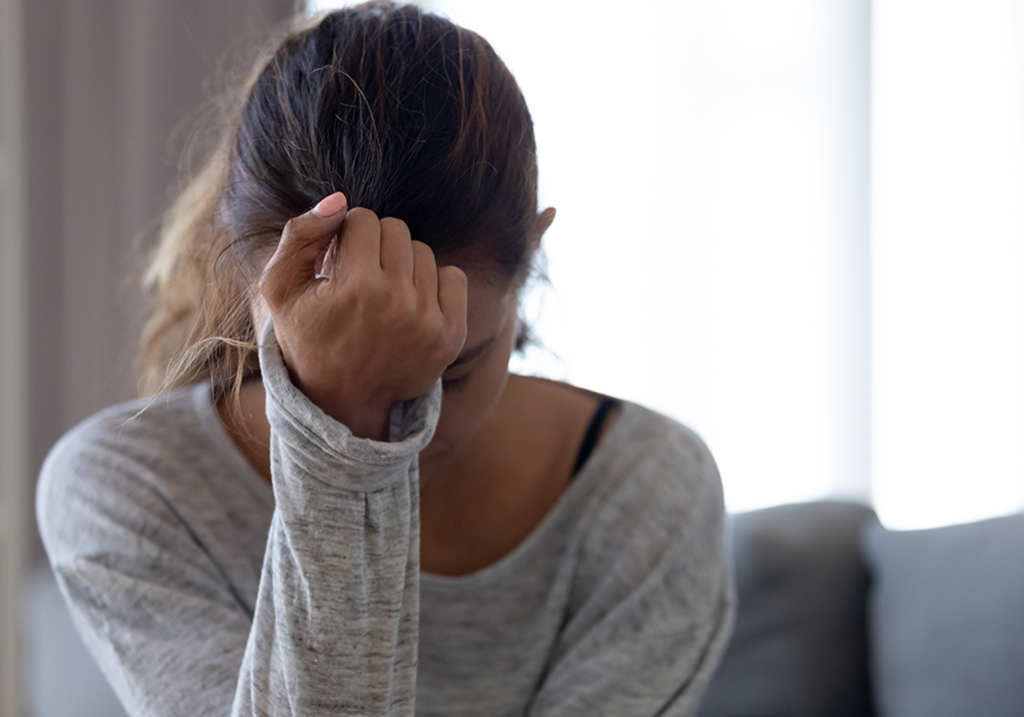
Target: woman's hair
(406,113)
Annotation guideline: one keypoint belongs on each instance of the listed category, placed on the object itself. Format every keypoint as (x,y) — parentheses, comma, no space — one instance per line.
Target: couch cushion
(799,646)
(947,619)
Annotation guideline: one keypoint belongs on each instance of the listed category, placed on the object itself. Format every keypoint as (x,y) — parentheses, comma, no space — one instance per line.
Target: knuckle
(453,275)
(294,229)
(422,250)
(362,214)
(394,245)
(394,227)
(434,325)
(404,302)
(363,286)
(290,227)
(447,351)
(456,341)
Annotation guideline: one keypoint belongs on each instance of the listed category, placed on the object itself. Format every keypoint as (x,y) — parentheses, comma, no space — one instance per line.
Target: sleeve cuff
(355,463)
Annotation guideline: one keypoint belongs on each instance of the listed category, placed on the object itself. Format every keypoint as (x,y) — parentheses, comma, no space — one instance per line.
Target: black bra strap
(593,431)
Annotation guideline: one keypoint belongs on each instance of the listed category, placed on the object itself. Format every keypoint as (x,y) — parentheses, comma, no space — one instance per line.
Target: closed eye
(454,384)
(470,354)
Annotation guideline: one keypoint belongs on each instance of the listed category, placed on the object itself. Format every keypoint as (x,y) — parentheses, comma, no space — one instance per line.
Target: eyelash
(453,384)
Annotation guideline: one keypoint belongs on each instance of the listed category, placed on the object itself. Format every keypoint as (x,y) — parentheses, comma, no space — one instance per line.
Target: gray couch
(840,617)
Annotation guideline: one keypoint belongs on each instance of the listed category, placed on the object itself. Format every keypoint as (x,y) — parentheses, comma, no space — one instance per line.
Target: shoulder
(651,458)
(654,491)
(116,467)
(140,431)
(651,574)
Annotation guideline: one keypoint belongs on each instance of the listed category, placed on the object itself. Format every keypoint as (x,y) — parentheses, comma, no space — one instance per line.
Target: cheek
(465,410)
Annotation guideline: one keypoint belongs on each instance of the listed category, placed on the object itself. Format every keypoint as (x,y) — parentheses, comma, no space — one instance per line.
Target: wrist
(372,423)
(366,418)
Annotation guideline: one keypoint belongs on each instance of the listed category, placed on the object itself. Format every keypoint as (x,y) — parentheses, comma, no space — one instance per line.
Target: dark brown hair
(405,112)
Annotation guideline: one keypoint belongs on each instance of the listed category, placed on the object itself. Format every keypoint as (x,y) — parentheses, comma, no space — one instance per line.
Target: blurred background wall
(795,225)
(96,95)
(110,88)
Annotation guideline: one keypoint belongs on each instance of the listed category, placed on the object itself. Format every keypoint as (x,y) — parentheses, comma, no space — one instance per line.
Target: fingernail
(331,205)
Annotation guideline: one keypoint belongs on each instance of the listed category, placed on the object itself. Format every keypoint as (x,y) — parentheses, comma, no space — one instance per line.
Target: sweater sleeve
(654,601)
(335,626)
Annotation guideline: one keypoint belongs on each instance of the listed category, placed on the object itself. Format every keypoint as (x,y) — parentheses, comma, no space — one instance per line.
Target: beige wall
(108,82)
(13,353)
(91,92)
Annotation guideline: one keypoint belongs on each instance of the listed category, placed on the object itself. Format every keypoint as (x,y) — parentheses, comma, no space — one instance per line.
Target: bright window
(948,260)
(716,255)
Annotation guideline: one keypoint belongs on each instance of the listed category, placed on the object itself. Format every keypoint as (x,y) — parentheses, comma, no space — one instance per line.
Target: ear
(544,220)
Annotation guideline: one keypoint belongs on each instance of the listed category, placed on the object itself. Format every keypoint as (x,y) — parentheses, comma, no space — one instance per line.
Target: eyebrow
(470,354)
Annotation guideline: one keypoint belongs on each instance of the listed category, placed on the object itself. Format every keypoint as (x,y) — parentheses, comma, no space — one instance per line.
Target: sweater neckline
(578,491)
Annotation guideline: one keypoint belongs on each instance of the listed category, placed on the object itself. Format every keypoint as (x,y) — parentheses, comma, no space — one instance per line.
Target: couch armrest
(800,643)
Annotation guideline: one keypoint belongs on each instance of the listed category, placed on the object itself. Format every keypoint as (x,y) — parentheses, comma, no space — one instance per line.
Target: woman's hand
(378,327)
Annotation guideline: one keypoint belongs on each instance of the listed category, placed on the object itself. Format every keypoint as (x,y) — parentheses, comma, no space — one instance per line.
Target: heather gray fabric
(800,643)
(200,591)
(947,619)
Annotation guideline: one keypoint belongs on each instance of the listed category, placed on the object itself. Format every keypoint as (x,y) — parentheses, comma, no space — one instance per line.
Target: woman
(306,520)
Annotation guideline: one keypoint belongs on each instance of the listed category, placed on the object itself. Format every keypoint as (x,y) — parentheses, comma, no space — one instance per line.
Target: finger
(303,240)
(453,299)
(359,242)
(396,257)
(424,273)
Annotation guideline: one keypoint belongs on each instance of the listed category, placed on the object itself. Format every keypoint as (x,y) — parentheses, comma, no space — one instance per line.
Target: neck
(246,422)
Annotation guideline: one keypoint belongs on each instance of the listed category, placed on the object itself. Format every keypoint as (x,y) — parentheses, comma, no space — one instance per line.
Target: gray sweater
(202,591)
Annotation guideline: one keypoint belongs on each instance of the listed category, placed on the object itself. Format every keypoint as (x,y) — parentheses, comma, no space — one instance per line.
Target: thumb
(303,240)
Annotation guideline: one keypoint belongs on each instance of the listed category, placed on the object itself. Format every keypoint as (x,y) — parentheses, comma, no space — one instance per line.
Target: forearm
(336,624)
